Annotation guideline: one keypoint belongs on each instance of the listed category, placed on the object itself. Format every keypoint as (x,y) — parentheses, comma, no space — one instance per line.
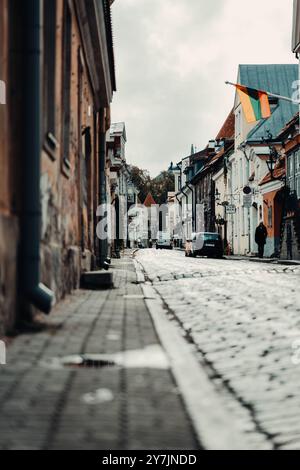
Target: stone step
(97,280)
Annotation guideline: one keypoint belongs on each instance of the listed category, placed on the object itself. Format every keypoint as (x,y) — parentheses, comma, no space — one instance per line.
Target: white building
(122,193)
(248,164)
(184,199)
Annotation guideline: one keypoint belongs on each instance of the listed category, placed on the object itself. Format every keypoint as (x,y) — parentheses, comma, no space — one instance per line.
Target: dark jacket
(261,234)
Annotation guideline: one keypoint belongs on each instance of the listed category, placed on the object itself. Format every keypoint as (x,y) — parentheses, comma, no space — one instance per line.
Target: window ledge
(51,146)
(66,168)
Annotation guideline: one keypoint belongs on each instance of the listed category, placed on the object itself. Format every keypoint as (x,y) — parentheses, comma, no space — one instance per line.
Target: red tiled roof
(228,128)
(215,158)
(149,201)
(293,121)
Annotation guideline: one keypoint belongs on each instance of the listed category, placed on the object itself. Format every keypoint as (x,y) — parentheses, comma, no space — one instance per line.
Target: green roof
(277,79)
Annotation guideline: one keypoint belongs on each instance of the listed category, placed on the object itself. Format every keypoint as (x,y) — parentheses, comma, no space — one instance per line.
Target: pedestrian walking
(188,248)
(261,235)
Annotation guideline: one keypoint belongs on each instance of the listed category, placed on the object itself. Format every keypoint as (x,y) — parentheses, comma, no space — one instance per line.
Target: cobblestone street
(101,377)
(243,317)
(150,229)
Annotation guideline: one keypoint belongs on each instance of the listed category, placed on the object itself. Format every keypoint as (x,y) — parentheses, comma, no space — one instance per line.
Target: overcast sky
(172,58)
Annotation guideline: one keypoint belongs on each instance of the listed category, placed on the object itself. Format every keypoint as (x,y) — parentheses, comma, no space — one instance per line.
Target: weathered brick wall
(9,187)
(69,195)
(4,163)
(8,272)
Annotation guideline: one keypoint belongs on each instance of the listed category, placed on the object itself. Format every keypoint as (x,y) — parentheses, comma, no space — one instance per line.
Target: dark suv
(207,244)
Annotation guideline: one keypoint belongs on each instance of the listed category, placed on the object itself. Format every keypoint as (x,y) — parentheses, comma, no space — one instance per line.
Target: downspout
(243,149)
(32,289)
(187,197)
(187,202)
(180,206)
(193,205)
(102,184)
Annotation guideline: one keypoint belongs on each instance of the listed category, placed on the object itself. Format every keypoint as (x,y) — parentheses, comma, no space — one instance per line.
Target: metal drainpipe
(193,206)
(102,182)
(180,205)
(187,200)
(32,289)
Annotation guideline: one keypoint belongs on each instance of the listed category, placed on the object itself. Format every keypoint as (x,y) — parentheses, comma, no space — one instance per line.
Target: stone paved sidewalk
(44,405)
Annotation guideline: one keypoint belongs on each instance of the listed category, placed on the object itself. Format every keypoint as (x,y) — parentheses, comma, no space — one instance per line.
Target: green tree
(158,186)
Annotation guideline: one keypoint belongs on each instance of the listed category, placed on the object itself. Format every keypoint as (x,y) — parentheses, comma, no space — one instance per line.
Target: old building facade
(290,226)
(53,147)
(249,162)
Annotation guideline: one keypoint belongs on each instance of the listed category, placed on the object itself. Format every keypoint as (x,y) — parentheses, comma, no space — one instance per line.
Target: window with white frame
(243,221)
(238,122)
(293,171)
(236,184)
(247,171)
(270,216)
(246,221)
(241,172)
(297,172)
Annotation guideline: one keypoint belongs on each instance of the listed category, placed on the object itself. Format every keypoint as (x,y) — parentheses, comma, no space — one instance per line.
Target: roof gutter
(33,290)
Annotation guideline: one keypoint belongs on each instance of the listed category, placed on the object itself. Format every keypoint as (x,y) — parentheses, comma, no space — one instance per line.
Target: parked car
(164,241)
(205,244)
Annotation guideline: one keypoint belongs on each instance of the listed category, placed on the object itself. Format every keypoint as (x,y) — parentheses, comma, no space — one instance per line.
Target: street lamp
(274,155)
(272,160)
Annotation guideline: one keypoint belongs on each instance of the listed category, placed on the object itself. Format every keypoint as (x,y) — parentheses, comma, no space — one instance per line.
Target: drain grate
(94,362)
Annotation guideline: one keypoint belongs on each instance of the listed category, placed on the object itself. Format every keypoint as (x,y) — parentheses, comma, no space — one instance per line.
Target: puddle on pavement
(113,336)
(102,395)
(151,357)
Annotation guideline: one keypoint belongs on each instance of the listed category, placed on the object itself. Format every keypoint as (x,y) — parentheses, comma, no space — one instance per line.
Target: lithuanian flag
(255,103)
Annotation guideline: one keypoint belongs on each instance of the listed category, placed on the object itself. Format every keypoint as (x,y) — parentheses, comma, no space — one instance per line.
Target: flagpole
(280,97)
